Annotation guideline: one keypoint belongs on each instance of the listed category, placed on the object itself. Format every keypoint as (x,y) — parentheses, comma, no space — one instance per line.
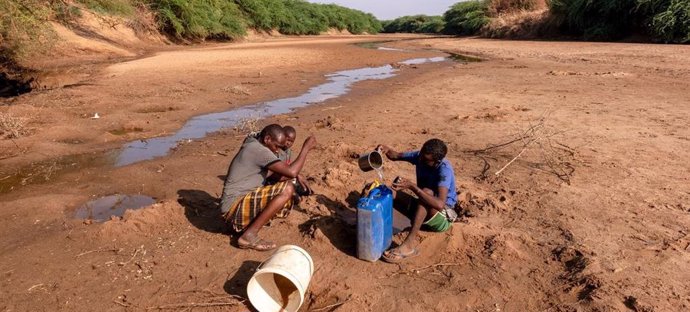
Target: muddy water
(462,58)
(287,290)
(46,171)
(338,84)
(104,208)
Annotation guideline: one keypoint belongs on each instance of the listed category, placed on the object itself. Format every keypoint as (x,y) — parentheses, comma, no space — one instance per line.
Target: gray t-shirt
(247,171)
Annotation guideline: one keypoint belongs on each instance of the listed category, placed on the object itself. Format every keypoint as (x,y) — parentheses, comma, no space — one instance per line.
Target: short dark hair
(289,129)
(436,148)
(272,130)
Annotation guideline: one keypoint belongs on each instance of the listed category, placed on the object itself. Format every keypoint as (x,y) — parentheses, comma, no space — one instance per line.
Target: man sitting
(433,209)
(247,202)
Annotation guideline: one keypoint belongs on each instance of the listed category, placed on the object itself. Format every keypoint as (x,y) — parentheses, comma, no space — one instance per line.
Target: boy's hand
(385,149)
(403,184)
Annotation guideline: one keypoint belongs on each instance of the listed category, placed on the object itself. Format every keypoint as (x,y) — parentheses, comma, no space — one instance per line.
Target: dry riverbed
(590,210)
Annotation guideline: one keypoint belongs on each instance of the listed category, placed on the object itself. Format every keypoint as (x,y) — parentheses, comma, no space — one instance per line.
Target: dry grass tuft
(520,25)
(12,127)
(248,125)
(237,89)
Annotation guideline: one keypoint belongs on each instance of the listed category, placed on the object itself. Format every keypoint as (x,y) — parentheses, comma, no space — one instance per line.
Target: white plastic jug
(280,283)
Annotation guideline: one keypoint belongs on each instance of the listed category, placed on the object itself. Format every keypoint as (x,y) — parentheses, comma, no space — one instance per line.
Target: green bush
(596,20)
(414,24)
(672,23)
(24,29)
(297,17)
(466,18)
(433,26)
(665,20)
(199,19)
(112,7)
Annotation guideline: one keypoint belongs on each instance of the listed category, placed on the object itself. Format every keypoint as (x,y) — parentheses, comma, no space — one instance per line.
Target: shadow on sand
(339,227)
(202,211)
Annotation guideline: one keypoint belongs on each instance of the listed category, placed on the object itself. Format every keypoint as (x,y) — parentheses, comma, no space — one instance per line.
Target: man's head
(273,137)
(290,136)
(433,152)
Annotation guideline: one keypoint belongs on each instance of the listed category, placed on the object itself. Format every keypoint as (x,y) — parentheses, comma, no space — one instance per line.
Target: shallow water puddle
(104,208)
(46,171)
(338,84)
(376,45)
(462,58)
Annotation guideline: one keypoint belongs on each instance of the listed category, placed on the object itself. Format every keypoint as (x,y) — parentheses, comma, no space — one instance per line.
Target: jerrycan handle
(376,192)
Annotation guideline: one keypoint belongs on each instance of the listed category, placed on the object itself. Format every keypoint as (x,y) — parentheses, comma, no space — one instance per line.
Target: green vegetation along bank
(24,26)
(661,20)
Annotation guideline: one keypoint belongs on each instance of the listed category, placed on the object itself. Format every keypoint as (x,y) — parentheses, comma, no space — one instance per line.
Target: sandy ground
(593,215)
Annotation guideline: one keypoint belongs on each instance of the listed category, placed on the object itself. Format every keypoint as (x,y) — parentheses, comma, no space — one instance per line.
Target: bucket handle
(271,256)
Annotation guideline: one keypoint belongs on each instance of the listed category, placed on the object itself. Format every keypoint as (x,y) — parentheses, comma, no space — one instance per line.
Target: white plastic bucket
(280,283)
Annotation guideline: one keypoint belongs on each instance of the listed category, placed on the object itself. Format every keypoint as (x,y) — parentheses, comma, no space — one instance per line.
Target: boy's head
(433,152)
(273,137)
(290,136)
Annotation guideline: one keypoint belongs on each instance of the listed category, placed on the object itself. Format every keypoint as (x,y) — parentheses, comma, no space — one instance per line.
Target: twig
(331,306)
(422,268)
(121,303)
(434,266)
(132,258)
(15,143)
(192,305)
(10,156)
(34,286)
(485,169)
(511,161)
(96,250)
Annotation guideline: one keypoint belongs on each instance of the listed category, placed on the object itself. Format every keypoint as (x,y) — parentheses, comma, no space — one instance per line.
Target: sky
(390,9)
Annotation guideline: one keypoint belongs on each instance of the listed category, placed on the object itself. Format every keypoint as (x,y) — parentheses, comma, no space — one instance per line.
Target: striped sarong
(246,208)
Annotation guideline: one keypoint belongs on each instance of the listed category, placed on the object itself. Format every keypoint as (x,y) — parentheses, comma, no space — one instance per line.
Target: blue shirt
(434,177)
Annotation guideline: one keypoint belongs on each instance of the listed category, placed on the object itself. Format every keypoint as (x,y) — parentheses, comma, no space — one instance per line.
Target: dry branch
(192,305)
(417,270)
(331,306)
(97,250)
(552,153)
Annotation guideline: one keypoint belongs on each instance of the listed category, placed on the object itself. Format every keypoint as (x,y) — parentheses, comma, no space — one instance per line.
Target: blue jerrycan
(374,223)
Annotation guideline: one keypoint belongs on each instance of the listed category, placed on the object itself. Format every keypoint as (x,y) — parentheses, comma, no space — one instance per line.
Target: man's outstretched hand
(309,143)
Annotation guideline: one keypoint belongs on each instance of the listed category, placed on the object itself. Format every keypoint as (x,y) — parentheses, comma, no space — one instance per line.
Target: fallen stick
(96,250)
(434,266)
(121,303)
(511,161)
(416,270)
(34,286)
(331,306)
(192,305)
(136,251)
